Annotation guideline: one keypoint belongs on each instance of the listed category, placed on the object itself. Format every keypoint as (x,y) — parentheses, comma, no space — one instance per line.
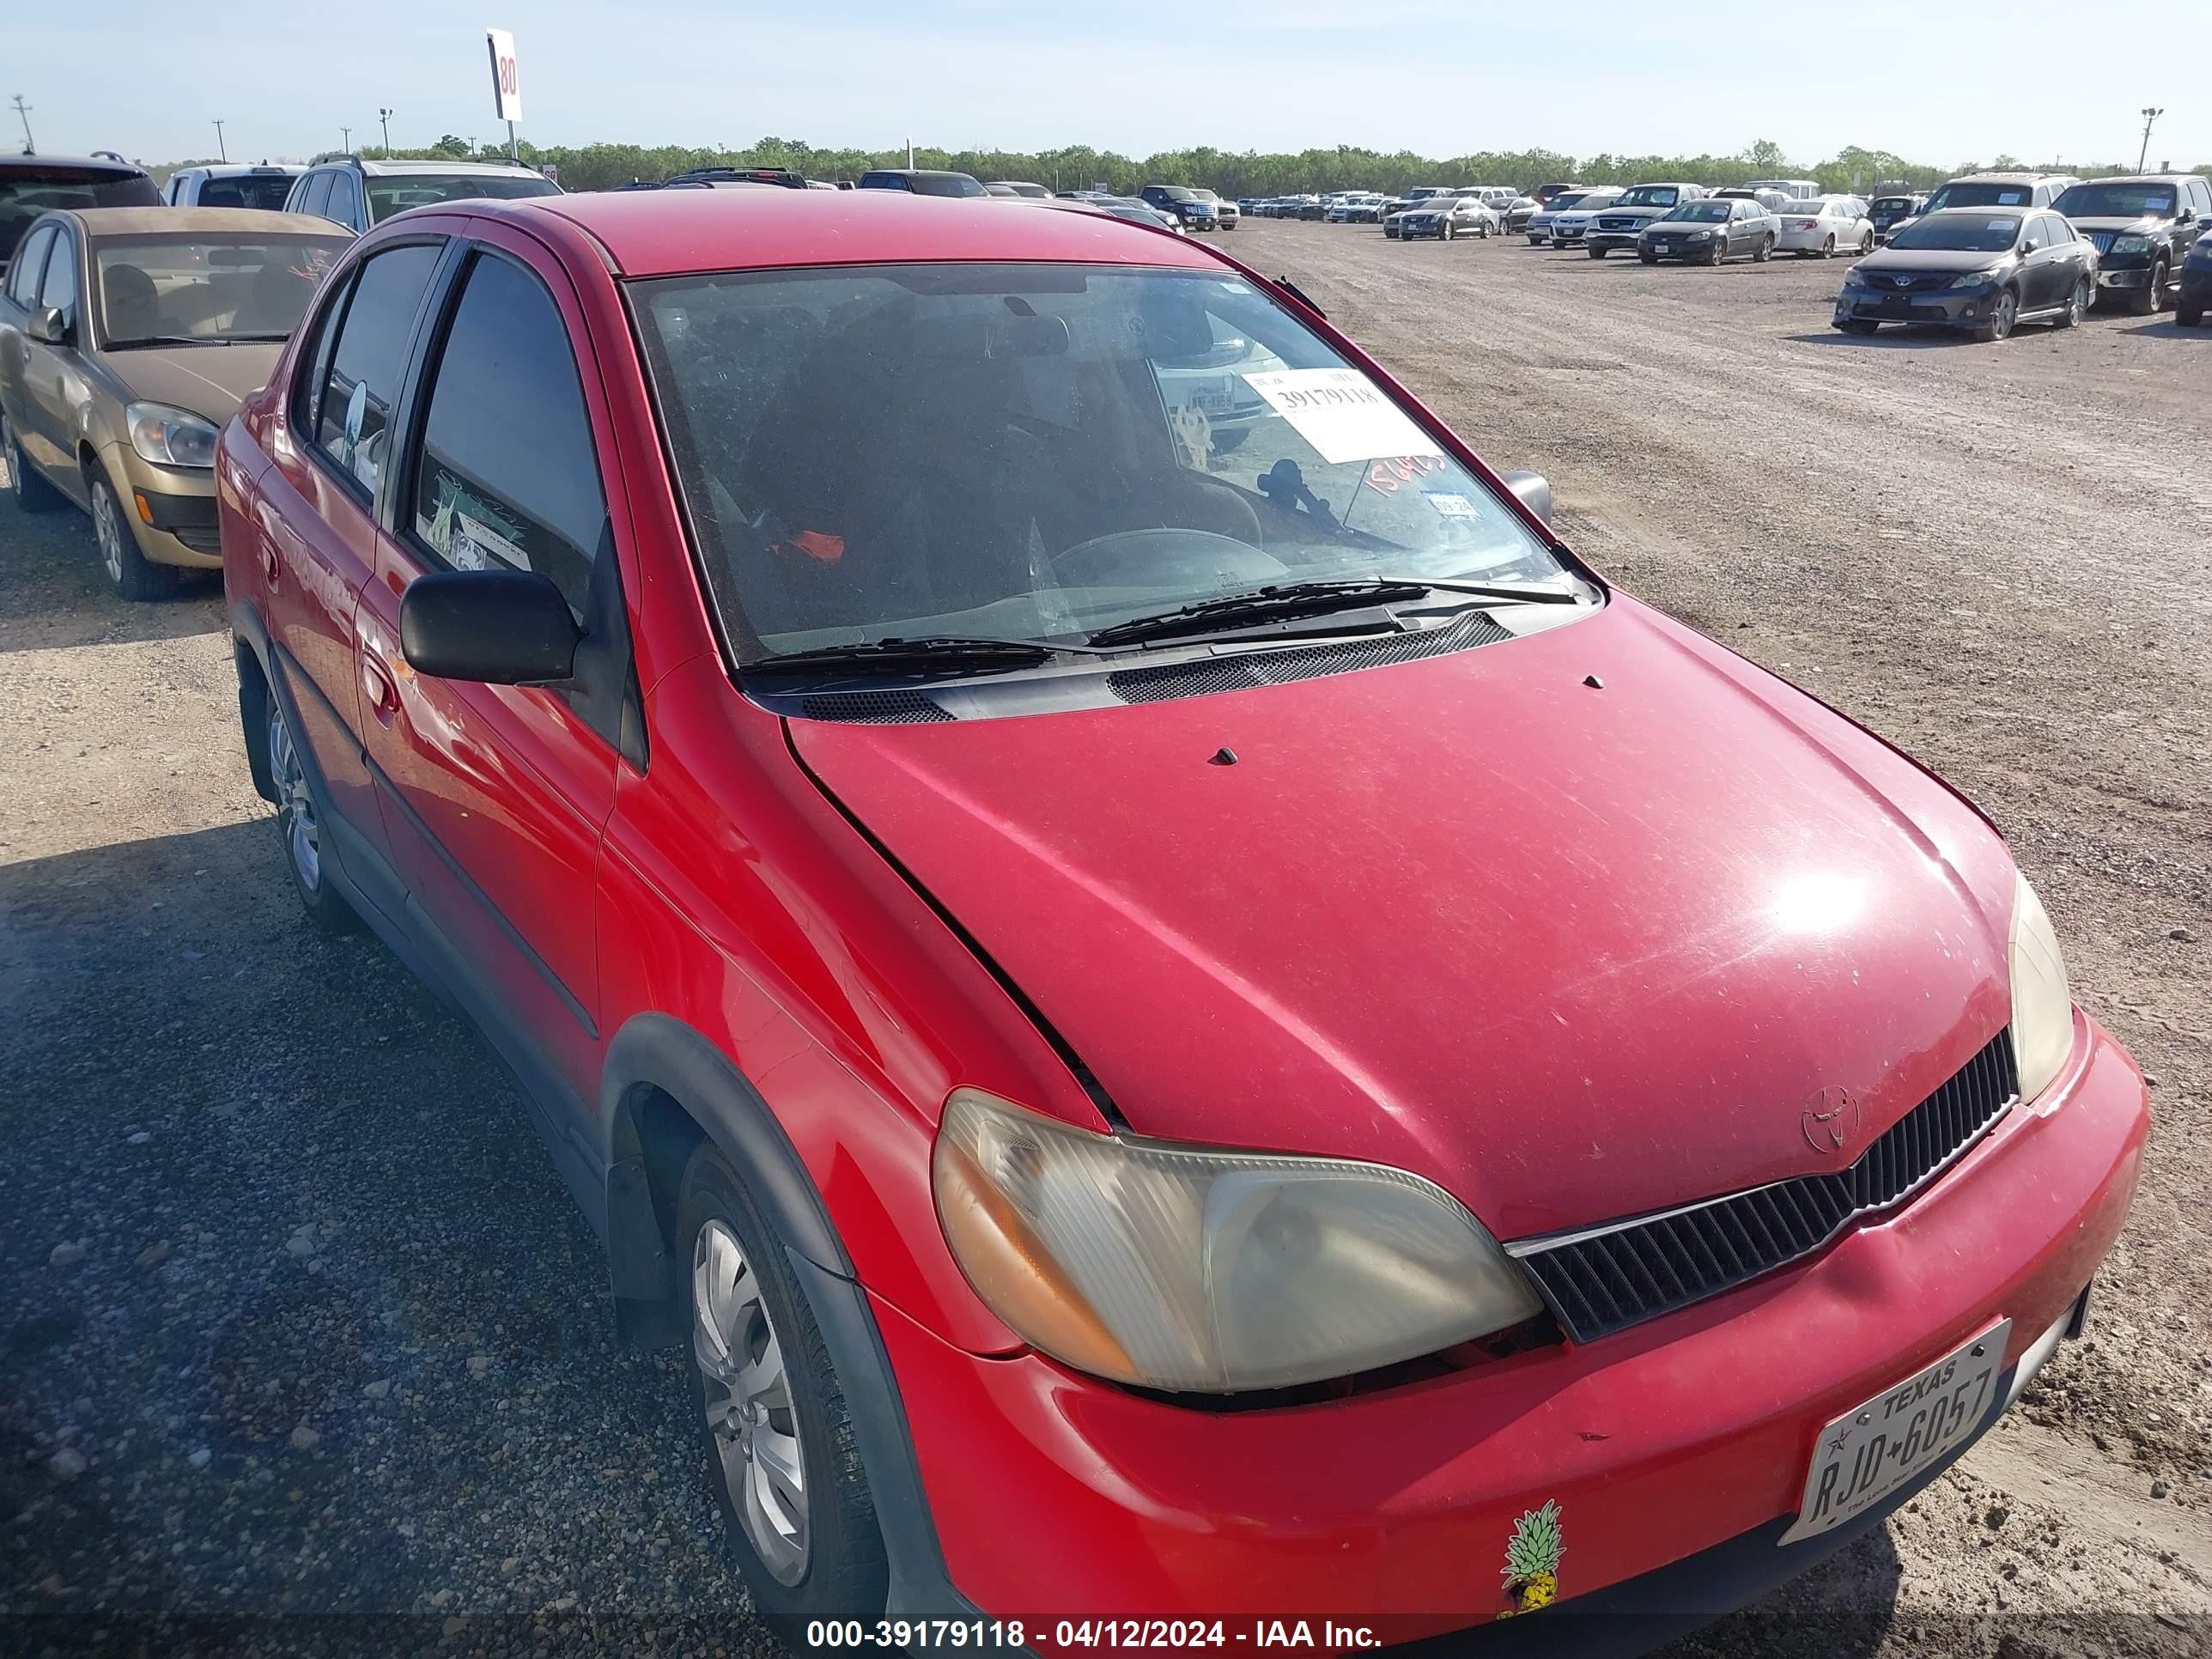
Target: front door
(53,378)
(495,796)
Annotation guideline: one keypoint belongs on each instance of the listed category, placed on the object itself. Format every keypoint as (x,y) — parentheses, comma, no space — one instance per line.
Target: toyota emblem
(1831,1122)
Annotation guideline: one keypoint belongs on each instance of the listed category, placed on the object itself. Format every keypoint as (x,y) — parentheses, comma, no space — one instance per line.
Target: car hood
(209,380)
(1574,950)
(1635,212)
(1671,227)
(1929,258)
(2140,225)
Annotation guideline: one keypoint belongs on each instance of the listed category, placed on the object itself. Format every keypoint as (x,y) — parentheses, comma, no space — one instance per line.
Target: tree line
(601,166)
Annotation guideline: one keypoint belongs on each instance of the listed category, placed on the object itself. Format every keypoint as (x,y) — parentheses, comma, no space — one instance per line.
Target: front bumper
(2126,278)
(1613,239)
(1659,1444)
(1569,235)
(172,510)
(1946,307)
(1675,247)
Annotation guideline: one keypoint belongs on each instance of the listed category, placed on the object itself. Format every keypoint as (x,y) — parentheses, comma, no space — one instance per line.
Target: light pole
(346,135)
(2150,119)
(385,116)
(222,154)
(23,115)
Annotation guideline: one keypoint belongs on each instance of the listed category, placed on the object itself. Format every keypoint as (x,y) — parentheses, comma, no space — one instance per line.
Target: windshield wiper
(170,339)
(1313,598)
(918,655)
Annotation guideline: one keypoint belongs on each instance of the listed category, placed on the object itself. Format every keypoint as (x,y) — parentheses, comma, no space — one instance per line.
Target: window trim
(74,320)
(421,392)
(309,440)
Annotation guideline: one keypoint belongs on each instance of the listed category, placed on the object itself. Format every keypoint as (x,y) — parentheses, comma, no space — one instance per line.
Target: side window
(317,196)
(313,368)
(507,474)
(345,201)
(59,290)
(354,415)
(2200,196)
(30,263)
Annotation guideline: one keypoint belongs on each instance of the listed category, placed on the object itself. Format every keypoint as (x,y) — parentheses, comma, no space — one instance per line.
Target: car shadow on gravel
(2166,328)
(1890,340)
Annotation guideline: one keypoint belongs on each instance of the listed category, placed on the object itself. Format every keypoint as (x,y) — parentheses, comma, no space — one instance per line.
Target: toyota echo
(1180,1019)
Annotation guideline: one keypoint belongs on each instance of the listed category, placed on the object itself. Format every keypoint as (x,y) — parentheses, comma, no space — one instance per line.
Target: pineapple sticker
(1532,1560)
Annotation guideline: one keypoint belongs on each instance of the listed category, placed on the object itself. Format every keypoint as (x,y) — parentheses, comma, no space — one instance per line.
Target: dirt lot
(295,1317)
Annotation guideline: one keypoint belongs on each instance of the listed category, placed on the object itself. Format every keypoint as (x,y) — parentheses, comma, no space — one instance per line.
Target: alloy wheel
(108,527)
(295,806)
(749,1403)
(2077,303)
(2005,311)
(2160,297)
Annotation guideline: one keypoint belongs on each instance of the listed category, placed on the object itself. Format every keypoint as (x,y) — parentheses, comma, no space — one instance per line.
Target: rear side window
(30,262)
(353,429)
(2200,196)
(345,201)
(315,198)
(59,289)
(492,490)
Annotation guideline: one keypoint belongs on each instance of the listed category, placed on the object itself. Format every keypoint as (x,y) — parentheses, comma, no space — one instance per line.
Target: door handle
(272,564)
(378,684)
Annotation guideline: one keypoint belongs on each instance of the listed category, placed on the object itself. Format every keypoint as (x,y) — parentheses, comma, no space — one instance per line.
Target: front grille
(1605,1280)
(1250,669)
(2101,240)
(1619,224)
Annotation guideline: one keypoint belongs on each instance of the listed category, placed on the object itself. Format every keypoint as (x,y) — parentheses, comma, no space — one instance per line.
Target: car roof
(656,232)
(2005,178)
(2141,178)
(402,169)
(75,163)
(149,221)
(1987,207)
(245,169)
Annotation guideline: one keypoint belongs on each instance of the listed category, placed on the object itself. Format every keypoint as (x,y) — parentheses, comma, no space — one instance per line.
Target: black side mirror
(1534,490)
(502,626)
(47,327)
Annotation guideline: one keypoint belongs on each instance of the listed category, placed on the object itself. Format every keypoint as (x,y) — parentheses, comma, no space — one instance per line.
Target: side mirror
(1534,490)
(2030,245)
(47,327)
(502,626)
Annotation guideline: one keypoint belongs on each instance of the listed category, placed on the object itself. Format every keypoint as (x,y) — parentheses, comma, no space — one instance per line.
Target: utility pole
(222,154)
(23,115)
(2150,119)
(346,135)
(909,155)
(385,116)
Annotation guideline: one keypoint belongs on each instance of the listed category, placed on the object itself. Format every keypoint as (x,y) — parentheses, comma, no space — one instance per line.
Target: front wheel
(797,1511)
(130,572)
(1647,255)
(1765,250)
(2077,305)
(299,828)
(2004,312)
(1598,252)
(2188,315)
(1717,254)
(1866,245)
(2151,297)
(1446,231)
(1828,248)
(1858,324)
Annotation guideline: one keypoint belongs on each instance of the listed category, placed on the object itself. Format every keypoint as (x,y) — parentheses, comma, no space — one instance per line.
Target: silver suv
(358,194)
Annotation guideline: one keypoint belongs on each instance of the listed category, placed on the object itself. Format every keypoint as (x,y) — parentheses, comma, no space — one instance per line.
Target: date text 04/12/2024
(1323,1635)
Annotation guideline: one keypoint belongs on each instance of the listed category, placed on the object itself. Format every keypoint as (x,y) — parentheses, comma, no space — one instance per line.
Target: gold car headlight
(1184,1269)
(170,437)
(2042,1001)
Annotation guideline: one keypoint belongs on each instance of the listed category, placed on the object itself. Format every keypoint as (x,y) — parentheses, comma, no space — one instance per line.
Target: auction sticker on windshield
(1873,1449)
(1341,413)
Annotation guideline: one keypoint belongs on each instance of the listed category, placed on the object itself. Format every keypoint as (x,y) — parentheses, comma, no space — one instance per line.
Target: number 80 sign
(505,74)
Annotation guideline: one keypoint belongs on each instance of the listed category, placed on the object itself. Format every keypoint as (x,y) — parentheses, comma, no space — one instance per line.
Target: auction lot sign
(505,74)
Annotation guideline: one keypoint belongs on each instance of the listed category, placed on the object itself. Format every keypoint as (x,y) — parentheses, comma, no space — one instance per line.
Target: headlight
(2042,1003)
(2131,244)
(1974,279)
(1701,236)
(170,437)
(1177,1267)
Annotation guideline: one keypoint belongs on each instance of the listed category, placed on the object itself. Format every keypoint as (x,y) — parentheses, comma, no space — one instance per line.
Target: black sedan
(1709,233)
(1983,270)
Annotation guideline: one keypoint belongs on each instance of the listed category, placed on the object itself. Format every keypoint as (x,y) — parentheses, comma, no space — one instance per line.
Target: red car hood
(1572,951)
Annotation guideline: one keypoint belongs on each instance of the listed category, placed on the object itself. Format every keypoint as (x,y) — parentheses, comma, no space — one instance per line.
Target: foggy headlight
(1177,1267)
(2131,244)
(2042,1003)
(170,437)
(1701,236)
(1974,279)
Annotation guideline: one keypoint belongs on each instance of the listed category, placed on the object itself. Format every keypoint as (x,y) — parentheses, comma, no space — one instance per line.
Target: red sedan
(1184,1010)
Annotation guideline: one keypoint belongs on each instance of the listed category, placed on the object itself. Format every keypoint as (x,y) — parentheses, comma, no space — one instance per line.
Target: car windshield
(266,190)
(398,192)
(1893,204)
(1974,192)
(1650,196)
(28,192)
(204,286)
(1964,232)
(1176,193)
(1035,452)
(2115,201)
(1700,213)
(1561,204)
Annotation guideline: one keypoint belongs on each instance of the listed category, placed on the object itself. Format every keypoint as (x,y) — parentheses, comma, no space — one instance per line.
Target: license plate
(1214,399)
(1869,1453)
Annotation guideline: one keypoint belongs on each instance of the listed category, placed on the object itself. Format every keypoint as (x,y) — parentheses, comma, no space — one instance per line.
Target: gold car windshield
(203,288)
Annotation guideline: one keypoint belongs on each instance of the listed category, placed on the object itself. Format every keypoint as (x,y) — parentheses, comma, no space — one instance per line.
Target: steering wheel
(1141,557)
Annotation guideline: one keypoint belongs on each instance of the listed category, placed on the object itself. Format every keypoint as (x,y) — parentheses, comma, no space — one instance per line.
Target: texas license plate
(1869,1453)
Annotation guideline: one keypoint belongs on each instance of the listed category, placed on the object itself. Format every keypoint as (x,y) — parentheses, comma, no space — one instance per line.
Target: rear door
(54,377)
(495,796)
(17,308)
(331,463)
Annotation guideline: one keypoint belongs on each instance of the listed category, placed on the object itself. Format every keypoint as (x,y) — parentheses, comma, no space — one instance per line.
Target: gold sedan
(127,337)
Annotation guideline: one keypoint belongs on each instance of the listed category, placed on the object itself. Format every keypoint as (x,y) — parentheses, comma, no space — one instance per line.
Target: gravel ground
(295,1319)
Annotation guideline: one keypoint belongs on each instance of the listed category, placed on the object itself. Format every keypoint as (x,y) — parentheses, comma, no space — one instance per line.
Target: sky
(2041,81)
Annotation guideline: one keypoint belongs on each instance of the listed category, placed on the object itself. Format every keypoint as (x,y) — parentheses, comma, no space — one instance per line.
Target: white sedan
(1824,224)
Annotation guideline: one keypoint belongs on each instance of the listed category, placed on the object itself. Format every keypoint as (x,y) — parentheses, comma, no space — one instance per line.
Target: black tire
(2150,299)
(2187,315)
(129,572)
(299,830)
(1717,255)
(1596,253)
(1828,248)
(33,490)
(2004,316)
(1766,249)
(1647,255)
(2078,303)
(1858,324)
(843,1574)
